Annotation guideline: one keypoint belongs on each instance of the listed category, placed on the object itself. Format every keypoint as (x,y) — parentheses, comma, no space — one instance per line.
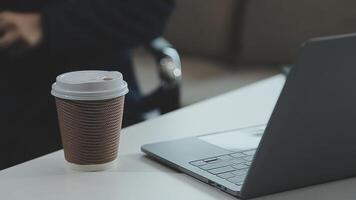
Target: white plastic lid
(89,85)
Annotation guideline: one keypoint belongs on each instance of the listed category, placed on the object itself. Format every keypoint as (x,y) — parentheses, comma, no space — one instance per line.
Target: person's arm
(22,30)
(97,26)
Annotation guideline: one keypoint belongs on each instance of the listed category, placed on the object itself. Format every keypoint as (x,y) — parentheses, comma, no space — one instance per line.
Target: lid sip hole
(107,79)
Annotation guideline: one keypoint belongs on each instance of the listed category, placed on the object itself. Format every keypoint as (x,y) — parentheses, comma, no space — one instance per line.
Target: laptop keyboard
(232,167)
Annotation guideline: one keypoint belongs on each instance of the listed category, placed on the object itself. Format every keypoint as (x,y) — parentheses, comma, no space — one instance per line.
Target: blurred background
(227,44)
(222,45)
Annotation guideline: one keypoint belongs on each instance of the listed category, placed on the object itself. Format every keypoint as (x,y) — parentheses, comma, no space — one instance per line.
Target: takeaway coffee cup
(90,110)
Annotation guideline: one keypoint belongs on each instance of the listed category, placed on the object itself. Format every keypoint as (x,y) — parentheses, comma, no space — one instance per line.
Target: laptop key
(198,163)
(239,172)
(221,163)
(215,165)
(237,160)
(211,160)
(237,179)
(240,183)
(221,170)
(248,158)
(225,157)
(240,166)
(207,167)
(237,155)
(250,153)
(226,175)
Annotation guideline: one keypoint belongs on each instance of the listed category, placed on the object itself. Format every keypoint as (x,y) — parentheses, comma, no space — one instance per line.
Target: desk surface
(137,177)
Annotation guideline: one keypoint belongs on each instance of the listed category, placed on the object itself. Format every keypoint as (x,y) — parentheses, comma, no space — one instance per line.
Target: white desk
(137,177)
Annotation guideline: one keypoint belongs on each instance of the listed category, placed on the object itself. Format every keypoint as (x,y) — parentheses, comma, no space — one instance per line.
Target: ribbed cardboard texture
(90,130)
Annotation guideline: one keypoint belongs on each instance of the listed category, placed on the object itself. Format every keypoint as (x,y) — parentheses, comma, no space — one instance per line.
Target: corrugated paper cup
(90,108)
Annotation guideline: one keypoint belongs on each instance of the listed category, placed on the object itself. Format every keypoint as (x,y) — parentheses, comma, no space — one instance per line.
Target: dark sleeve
(98,26)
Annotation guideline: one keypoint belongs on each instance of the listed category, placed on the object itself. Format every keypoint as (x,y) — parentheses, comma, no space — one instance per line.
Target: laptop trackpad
(236,140)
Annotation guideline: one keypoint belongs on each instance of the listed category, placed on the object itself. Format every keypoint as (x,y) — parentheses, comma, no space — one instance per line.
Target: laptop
(309,139)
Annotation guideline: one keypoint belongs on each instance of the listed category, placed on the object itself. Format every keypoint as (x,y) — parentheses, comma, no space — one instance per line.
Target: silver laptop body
(309,139)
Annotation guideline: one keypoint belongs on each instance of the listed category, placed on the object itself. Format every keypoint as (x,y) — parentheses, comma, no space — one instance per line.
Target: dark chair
(166,97)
